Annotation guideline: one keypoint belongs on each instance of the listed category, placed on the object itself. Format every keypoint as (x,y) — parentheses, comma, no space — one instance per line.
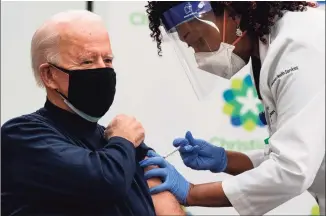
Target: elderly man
(58,160)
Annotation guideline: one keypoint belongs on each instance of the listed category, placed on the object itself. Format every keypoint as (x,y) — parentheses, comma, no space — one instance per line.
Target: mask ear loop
(224,27)
(239,38)
(242,34)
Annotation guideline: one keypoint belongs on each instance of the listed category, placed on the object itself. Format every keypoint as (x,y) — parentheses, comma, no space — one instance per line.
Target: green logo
(242,104)
(237,145)
(138,19)
(315,210)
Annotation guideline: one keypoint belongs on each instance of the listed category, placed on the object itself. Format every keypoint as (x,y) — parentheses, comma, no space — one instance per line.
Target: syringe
(171,153)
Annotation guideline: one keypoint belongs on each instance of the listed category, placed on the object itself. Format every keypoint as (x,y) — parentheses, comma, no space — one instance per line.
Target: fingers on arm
(158,172)
(153,161)
(158,189)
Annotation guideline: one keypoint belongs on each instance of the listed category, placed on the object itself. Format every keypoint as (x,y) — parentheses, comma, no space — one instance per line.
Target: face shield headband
(201,45)
(184,12)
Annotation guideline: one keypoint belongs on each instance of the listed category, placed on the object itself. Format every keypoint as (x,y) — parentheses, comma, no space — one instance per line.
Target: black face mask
(90,91)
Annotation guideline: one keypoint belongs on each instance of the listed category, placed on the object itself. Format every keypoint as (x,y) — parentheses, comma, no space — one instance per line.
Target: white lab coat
(292,85)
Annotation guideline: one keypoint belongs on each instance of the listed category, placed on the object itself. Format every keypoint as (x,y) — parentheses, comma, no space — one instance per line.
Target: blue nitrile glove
(172,180)
(200,155)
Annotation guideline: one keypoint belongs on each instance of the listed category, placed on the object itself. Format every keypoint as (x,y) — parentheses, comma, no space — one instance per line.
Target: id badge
(266,149)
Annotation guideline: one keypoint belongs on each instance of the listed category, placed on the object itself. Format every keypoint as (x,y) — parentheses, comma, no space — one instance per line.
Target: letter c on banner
(138,19)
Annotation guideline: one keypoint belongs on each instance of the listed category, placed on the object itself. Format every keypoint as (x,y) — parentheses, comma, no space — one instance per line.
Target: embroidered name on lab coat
(271,114)
(292,69)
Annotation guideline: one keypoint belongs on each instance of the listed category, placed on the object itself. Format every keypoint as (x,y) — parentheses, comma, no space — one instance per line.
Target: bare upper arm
(165,202)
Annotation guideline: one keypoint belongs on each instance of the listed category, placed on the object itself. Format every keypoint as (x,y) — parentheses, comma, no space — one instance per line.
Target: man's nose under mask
(91,91)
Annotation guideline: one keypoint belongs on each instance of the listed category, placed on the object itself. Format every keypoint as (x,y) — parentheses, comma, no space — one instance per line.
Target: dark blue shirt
(55,163)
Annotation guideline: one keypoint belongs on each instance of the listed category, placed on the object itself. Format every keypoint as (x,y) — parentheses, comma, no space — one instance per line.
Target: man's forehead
(86,44)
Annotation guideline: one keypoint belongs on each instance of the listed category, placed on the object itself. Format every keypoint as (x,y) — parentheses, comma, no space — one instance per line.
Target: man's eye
(108,60)
(87,62)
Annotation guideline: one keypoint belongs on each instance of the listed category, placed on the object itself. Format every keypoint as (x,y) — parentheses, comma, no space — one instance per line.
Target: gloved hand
(172,180)
(200,155)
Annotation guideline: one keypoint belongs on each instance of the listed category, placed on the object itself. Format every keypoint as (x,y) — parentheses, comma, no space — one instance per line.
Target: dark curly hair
(256,17)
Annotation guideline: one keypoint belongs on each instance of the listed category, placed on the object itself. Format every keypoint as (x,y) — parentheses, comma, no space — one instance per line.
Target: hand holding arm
(172,180)
(210,195)
(165,202)
(126,127)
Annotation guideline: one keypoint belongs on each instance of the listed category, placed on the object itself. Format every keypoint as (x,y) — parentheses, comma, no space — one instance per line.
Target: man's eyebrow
(110,56)
(90,56)
(86,55)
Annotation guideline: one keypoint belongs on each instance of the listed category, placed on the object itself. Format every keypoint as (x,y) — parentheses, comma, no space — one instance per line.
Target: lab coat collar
(263,48)
(256,67)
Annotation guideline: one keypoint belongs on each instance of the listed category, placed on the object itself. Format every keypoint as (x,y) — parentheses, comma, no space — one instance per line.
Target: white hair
(44,45)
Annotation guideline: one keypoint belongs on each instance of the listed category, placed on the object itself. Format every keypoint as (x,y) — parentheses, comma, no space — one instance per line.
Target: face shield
(200,45)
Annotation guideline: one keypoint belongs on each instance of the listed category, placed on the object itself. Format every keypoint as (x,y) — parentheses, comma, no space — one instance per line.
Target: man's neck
(57,100)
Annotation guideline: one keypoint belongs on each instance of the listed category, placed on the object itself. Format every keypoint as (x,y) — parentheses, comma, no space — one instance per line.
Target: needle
(171,153)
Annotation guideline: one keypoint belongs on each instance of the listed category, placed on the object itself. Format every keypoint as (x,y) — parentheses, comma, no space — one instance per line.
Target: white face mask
(223,62)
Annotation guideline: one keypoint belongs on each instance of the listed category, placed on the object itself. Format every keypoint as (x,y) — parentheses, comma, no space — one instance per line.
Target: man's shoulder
(24,124)
(101,127)
(23,119)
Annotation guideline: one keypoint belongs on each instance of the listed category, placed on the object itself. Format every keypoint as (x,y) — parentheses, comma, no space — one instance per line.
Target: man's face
(81,47)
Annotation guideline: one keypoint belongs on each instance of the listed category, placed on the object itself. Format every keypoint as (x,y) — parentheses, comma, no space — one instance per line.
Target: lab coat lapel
(263,48)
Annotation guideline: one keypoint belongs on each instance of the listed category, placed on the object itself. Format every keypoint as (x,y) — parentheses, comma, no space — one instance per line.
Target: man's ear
(47,74)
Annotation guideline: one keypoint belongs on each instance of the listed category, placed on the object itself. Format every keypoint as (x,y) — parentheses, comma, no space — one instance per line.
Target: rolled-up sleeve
(256,156)
(297,146)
